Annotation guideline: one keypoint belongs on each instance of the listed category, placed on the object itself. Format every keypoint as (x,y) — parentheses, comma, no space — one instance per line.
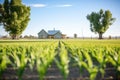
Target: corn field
(91,56)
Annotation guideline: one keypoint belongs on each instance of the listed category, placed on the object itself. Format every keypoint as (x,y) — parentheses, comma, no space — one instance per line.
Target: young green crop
(62,60)
(4,61)
(84,61)
(44,58)
(92,55)
(113,57)
(99,54)
(20,60)
(24,54)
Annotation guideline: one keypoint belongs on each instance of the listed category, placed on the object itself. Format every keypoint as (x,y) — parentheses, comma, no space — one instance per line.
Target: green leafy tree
(16,17)
(100,21)
(1,13)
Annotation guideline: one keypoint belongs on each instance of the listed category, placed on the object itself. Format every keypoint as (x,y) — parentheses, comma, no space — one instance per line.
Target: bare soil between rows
(53,73)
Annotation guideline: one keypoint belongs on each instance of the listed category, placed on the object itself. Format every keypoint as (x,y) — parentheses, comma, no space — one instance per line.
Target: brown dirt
(53,73)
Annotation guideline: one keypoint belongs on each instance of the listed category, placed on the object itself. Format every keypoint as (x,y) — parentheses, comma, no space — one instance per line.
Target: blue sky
(69,16)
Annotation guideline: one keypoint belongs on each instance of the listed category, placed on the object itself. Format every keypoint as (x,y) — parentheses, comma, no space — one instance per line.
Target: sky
(68,16)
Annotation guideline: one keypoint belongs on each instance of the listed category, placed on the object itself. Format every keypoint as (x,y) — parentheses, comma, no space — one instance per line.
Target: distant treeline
(35,37)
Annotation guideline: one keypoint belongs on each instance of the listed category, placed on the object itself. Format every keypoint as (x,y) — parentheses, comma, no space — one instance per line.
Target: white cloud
(44,5)
(38,5)
(65,5)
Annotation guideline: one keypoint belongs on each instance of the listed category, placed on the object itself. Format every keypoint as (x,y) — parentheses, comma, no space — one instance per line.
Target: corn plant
(88,64)
(20,59)
(62,61)
(31,51)
(84,61)
(100,56)
(42,54)
(77,56)
(4,61)
(113,57)
(43,59)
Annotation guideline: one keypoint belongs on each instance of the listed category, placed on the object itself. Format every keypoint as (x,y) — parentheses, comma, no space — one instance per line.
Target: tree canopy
(1,13)
(16,17)
(100,21)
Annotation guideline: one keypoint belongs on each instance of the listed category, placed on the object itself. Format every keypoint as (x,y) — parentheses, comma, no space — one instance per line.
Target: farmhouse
(51,34)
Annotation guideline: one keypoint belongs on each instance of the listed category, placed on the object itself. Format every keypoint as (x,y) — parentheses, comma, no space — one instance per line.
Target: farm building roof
(53,32)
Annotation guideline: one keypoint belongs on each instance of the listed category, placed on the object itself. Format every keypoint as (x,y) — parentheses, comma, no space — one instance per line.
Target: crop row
(19,56)
(94,58)
(65,54)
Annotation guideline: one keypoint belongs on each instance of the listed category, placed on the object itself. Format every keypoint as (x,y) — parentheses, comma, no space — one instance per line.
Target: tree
(100,21)
(16,17)
(1,13)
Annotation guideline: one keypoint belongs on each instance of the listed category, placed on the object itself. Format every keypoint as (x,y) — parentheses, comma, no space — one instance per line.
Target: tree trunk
(14,36)
(100,35)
